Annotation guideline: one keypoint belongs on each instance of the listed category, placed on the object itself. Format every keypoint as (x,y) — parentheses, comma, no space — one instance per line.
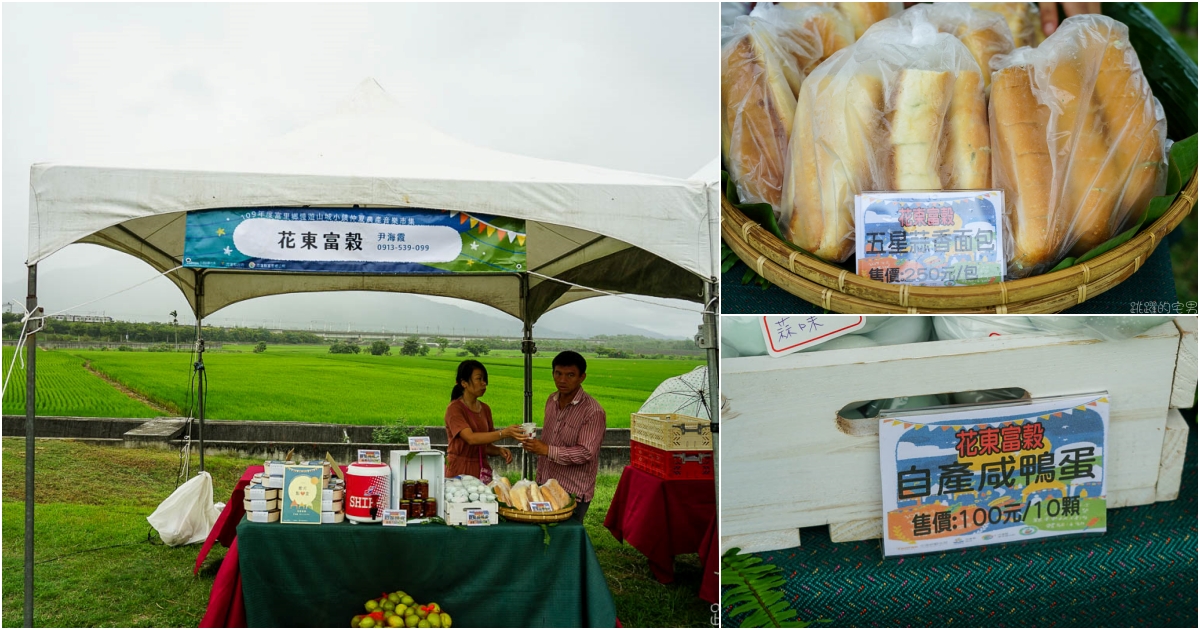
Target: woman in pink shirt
(469,431)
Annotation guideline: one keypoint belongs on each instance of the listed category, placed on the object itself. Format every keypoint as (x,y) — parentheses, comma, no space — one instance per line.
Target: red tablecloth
(225,606)
(664,518)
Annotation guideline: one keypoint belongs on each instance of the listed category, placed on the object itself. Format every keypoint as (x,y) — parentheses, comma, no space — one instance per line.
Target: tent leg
(528,348)
(199,365)
(30,418)
(709,340)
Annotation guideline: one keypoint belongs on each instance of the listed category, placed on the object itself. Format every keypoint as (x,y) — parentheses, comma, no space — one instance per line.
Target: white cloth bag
(188,514)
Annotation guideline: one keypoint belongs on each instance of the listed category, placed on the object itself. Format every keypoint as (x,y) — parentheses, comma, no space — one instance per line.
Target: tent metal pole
(710,342)
(527,350)
(199,365)
(30,417)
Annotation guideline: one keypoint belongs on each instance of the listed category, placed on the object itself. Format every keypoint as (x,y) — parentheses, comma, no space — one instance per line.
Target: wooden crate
(671,431)
(788,462)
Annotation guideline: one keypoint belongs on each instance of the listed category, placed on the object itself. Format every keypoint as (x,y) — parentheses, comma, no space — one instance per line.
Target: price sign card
(477,517)
(540,506)
(786,334)
(931,238)
(395,518)
(419,443)
(959,477)
(368,456)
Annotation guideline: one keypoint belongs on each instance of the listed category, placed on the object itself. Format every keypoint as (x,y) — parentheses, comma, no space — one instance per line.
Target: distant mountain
(358,311)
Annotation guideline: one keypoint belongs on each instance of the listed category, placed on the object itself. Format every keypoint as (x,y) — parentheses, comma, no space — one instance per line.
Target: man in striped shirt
(569,450)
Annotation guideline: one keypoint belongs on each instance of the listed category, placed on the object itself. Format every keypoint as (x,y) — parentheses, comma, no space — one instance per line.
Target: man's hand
(1049,12)
(535,446)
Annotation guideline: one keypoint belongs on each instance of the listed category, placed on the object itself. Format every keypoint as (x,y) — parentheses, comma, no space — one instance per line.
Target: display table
(499,576)
(665,518)
(1141,572)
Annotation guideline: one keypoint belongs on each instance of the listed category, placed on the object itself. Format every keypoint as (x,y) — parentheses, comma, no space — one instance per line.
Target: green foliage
(396,432)
(153,332)
(124,348)
(260,347)
(161,347)
(381,348)
(308,384)
(66,388)
(411,348)
(462,353)
(9,318)
(754,590)
(476,347)
(344,347)
(442,343)
(612,353)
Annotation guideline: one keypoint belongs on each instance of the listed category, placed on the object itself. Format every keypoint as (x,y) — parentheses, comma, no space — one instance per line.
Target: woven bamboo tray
(521,516)
(842,291)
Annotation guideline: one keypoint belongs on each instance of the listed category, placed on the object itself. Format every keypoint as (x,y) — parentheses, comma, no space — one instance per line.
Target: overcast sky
(631,87)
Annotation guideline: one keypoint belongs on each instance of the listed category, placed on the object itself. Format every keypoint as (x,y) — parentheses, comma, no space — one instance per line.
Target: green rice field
(307,384)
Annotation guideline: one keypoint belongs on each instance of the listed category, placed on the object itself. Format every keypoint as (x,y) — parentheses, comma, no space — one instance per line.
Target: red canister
(367,492)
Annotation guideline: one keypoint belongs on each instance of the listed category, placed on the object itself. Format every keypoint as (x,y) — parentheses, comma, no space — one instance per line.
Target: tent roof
(614,230)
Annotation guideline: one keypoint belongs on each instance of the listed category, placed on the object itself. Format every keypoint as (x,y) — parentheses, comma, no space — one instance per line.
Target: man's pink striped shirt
(574,436)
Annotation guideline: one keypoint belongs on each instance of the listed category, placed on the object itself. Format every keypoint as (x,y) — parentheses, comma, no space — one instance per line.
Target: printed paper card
(540,506)
(302,494)
(369,456)
(968,476)
(477,517)
(420,443)
(395,518)
(786,334)
(930,238)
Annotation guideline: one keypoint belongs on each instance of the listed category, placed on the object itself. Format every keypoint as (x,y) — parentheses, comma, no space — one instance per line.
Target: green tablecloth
(503,575)
(1140,573)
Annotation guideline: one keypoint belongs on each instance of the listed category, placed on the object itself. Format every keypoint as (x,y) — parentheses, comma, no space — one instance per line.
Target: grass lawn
(307,384)
(95,566)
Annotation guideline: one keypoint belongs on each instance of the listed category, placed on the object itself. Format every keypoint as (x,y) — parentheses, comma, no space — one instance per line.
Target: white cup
(528,428)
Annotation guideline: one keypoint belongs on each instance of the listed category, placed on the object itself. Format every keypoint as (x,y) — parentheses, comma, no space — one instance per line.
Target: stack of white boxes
(262,502)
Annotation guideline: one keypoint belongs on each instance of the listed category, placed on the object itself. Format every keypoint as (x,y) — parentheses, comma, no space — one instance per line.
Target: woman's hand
(506,454)
(515,431)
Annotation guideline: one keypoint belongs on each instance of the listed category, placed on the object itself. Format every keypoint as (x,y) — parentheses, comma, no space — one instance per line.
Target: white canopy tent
(587,227)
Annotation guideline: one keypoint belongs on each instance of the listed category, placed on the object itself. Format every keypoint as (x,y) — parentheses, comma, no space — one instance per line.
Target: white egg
(474,496)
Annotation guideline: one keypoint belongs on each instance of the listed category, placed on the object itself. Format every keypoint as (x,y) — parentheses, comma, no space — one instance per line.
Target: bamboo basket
(843,291)
(521,516)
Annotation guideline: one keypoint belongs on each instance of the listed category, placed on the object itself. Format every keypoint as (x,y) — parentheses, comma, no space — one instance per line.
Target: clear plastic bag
(1079,142)
(1023,18)
(188,514)
(765,57)
(1106,327)
(976,326)
(901,109)
(860,15)
(984,33)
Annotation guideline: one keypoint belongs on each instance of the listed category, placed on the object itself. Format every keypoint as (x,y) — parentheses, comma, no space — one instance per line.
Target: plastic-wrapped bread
(860,15)
(1136,124)
(1105,135)
(984,33)
(967,158)
(757,107)
(817,32)
(1023,19)
(1022,167)
(877,116)
(917,110)
(831,160)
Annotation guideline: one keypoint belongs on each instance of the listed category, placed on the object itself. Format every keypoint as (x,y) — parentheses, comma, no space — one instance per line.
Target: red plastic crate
(671,464)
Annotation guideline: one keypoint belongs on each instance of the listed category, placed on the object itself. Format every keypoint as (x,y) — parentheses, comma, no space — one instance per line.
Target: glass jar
(422,488)
(406,505)
(418,510)
(410,490)
(430,508)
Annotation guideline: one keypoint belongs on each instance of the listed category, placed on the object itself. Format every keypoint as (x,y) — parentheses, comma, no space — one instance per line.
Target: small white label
(368,456)
(540,506)
(786,334)
(395,518)
(477,517)
(419,443)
